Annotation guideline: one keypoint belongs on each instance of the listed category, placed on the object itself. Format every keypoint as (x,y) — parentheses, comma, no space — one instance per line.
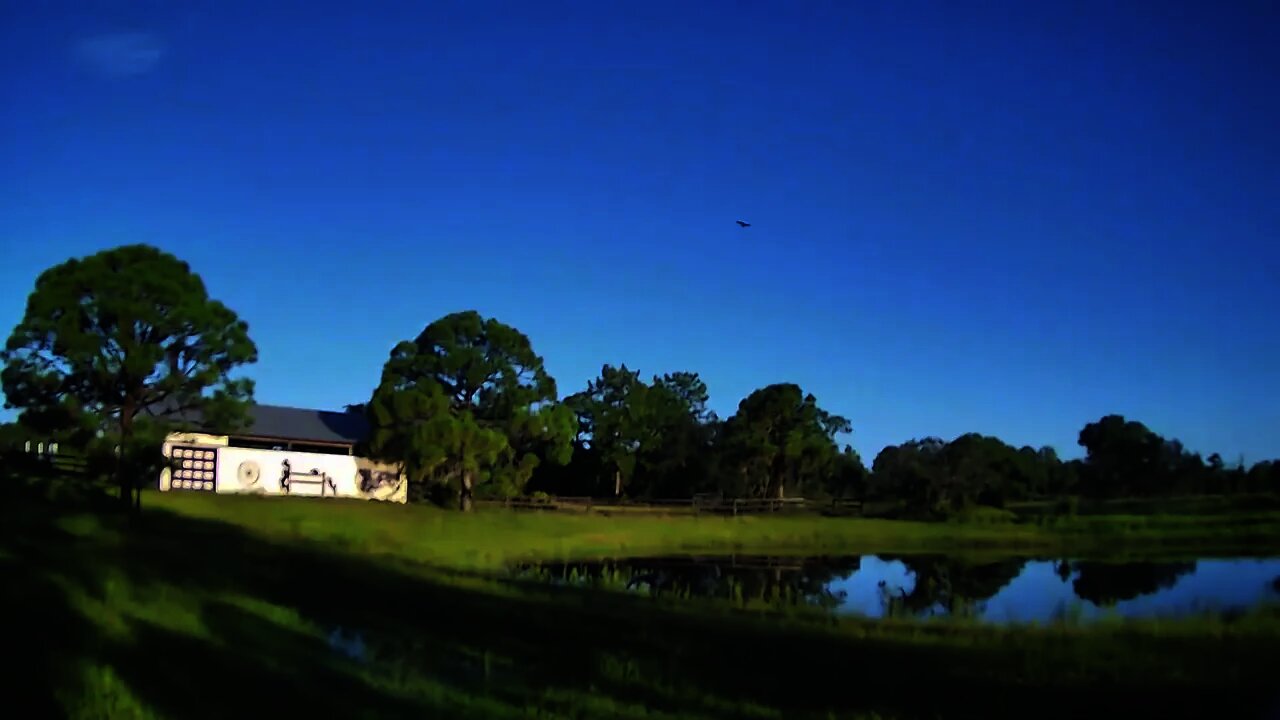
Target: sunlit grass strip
(491,538)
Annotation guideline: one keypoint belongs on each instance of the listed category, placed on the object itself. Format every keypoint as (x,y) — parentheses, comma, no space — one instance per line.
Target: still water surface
(1011,590)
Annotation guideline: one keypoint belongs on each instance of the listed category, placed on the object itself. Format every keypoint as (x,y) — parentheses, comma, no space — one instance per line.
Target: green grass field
(215,606)
(488,539)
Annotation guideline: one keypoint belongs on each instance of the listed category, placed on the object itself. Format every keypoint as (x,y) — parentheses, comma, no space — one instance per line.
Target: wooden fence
(684,506)
(44,461)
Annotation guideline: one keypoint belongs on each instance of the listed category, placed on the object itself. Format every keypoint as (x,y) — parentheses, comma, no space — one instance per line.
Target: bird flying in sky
(743,224)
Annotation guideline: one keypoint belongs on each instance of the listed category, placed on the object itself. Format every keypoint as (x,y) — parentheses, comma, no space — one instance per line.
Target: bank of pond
(1003,590)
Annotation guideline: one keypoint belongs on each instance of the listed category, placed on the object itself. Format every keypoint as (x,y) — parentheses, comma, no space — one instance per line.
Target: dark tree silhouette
(118,348)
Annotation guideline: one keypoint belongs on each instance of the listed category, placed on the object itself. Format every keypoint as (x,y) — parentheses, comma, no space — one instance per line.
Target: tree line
(118,348)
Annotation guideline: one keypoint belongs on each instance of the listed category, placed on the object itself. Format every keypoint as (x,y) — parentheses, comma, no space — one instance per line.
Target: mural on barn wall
(280,472)
(290,477)
(193,468)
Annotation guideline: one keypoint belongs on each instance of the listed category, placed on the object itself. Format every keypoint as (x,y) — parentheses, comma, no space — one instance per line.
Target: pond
(1008,590)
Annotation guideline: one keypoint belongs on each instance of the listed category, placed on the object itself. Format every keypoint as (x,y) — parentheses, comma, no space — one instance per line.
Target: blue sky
(1006,218)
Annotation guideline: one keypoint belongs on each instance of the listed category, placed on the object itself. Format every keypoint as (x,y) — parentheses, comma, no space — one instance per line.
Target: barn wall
(342,475)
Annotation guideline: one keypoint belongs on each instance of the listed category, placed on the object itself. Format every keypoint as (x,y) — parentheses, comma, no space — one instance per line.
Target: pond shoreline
(1007,590)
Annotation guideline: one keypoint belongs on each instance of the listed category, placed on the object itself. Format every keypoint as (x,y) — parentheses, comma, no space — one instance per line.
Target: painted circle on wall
(248,473)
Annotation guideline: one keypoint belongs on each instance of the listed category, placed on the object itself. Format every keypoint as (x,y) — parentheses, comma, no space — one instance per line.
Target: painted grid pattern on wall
(194,468)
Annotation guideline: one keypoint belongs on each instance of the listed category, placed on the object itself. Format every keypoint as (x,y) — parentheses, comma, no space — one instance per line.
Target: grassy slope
(210,607)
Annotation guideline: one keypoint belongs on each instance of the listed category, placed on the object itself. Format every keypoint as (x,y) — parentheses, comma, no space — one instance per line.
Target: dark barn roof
(289,423)
(278,422)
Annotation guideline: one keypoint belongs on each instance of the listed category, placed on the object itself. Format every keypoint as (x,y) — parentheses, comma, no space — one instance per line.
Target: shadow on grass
(193,618)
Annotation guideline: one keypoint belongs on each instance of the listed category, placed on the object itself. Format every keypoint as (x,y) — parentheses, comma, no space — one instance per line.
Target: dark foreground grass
(204,608)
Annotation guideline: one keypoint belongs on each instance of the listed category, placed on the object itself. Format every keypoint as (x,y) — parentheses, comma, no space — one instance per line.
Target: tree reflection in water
(934,584)
(741,579)
(947,585)
(1105,584)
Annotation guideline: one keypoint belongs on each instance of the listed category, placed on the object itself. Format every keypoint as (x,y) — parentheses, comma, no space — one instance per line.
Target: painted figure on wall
(378,481)
(315,477)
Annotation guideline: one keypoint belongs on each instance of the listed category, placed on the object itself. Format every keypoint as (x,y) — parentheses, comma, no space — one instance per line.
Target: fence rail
(695,505)
(44,462)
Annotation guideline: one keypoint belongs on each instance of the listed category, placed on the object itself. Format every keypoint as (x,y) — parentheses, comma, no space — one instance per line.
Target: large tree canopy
(469,402)
(121,346)
(482,364)
(780,437)
(650,439)
(938,478)
(678,459)
(611,421)
(1125,458)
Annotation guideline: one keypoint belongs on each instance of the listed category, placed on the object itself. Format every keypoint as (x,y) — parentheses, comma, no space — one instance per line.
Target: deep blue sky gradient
(1009,218)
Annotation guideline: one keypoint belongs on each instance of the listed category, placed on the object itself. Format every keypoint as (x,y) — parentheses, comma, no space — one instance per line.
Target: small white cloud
(120,54)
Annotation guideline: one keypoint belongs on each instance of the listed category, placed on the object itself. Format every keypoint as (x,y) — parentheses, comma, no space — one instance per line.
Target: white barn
(283,451)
